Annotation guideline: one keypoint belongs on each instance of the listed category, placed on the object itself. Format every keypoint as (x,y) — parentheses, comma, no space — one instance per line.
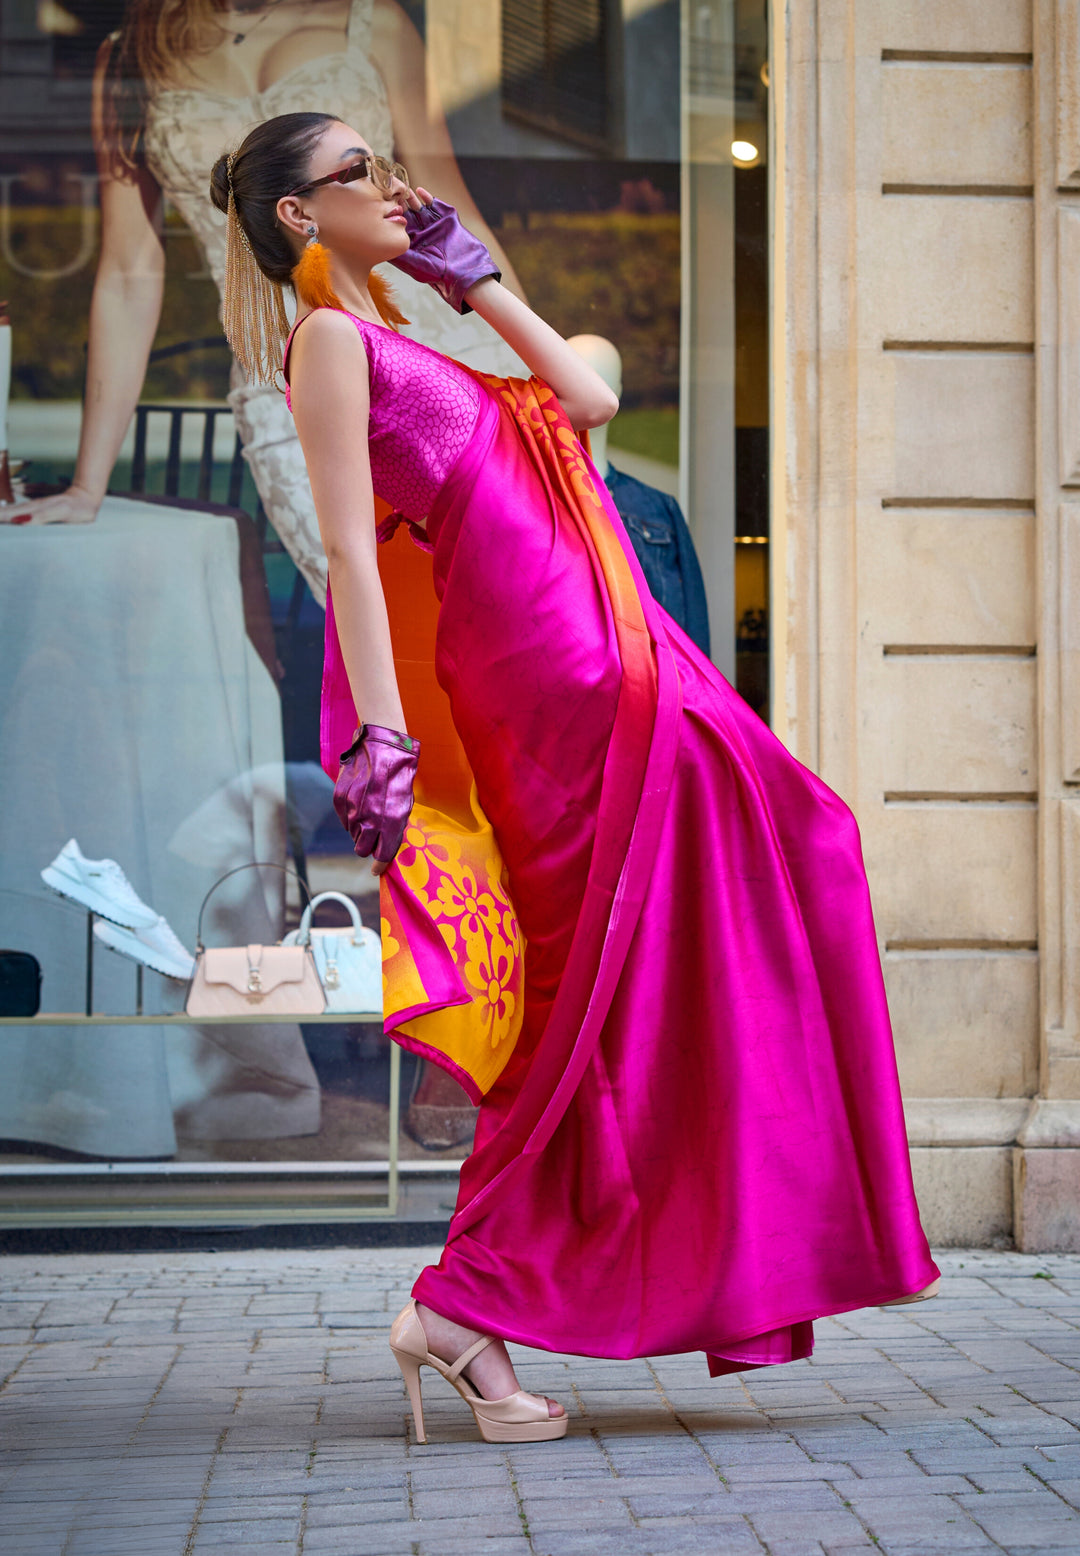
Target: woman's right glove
(444,254)
(373,795)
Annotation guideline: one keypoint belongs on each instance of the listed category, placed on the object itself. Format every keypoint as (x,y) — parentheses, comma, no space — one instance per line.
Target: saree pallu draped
(695,1139)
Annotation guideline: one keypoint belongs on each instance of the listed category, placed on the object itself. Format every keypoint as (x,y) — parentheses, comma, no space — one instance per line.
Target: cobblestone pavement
(181,1404)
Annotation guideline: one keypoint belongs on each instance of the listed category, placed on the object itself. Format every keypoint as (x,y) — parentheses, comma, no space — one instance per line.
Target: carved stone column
(1046,1161)
(926,548)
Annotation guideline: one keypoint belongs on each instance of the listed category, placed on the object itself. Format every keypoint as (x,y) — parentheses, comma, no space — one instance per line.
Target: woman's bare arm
(421,138)
(328,371)
(584,395)
(124,313)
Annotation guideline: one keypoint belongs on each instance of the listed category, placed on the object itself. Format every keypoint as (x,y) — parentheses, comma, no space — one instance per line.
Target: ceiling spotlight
(744,151)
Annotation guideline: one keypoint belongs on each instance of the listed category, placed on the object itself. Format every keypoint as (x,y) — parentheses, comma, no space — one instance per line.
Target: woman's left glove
(373,795)
(445,254)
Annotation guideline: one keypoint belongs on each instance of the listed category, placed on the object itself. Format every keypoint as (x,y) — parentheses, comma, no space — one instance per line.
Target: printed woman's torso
(188,127)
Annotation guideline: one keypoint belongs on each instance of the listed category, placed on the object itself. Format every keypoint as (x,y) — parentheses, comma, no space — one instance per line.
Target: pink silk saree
(694,1140)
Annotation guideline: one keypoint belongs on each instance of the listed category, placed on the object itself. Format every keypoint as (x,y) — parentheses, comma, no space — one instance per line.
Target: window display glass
(198,1049)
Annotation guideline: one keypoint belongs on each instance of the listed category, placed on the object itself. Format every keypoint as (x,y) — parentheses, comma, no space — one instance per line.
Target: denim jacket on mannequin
(662,544)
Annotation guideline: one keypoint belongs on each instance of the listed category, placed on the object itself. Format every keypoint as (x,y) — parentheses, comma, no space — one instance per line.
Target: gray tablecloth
(130,697)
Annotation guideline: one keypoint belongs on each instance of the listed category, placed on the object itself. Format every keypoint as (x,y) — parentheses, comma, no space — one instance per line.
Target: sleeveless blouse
(423,410)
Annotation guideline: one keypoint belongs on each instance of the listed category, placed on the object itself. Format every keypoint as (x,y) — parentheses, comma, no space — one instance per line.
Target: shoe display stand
(90,917)
(174,1193)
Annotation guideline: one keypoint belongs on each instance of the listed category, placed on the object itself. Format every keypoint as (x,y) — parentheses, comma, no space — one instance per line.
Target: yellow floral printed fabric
(453,954)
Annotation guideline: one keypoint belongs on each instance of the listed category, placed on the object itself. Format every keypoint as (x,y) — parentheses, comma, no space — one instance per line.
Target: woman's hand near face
(442,252)
(421,138)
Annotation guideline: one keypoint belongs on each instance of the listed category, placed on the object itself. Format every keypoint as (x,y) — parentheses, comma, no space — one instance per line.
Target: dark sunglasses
(381,172)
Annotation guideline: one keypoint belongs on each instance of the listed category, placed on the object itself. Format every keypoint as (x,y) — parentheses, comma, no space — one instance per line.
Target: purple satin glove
(373,795)
(444,254)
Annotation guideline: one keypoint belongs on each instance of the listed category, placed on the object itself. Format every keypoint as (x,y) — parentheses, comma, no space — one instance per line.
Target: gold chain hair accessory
(253,307)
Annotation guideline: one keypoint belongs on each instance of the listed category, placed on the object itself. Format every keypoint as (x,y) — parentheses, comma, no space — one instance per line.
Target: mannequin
(654,521)
(603,358)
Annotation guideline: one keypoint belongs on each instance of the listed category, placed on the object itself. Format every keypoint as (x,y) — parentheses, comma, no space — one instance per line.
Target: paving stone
(914,1487)
(811,1470)
(907,1521)
(1016,1481)
(1067,1488)
(930,1546)
(38,1543)
(778,1528)
(552,1510)
(442,1544)
(678,1502)
(215,1510)
(261,1548)
(730,1539)
(809,1499)
(148,1541)
(462,1502)
(244,1527)
(335,1513)
(1033,1524)
(112,1514)
(362,1539)
(436,1474)
(686,1486)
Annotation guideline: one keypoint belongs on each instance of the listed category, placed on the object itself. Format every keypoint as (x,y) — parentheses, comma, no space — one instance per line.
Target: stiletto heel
(519,1418)
(410,1371)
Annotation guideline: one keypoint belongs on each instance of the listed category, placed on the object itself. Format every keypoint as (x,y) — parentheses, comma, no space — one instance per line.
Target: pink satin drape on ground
(698,1143)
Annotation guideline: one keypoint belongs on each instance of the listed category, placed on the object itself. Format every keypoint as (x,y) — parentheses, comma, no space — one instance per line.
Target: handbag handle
(331,896)
(256,864)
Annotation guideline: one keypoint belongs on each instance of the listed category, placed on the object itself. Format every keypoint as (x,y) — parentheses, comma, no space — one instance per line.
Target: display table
(130,697)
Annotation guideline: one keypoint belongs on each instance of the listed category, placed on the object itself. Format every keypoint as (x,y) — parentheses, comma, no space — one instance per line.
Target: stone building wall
(926,552)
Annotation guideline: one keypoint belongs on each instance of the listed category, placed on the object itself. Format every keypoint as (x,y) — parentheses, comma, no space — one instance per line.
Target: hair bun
(219,182)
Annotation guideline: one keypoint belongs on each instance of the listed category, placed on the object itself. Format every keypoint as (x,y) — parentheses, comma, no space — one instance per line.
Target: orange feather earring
(384,300)
(311,276)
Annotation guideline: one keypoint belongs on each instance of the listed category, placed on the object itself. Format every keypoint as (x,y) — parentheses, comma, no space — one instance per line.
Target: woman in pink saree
(619,911)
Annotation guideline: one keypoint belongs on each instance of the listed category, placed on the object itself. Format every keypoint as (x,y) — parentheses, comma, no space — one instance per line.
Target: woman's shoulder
(328,334)
(325,351)
(325,324)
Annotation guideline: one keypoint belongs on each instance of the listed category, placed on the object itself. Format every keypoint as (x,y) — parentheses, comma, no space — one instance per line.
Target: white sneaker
(100,885)
(156,947)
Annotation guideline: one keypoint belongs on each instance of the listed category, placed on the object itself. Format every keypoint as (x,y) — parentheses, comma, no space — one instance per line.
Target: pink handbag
(254,980)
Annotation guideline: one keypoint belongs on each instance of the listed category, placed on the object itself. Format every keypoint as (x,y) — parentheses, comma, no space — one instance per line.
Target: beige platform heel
(519,1418)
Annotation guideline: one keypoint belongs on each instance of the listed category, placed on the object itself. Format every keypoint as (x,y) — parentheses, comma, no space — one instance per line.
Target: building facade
(885,292)
(926,552)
